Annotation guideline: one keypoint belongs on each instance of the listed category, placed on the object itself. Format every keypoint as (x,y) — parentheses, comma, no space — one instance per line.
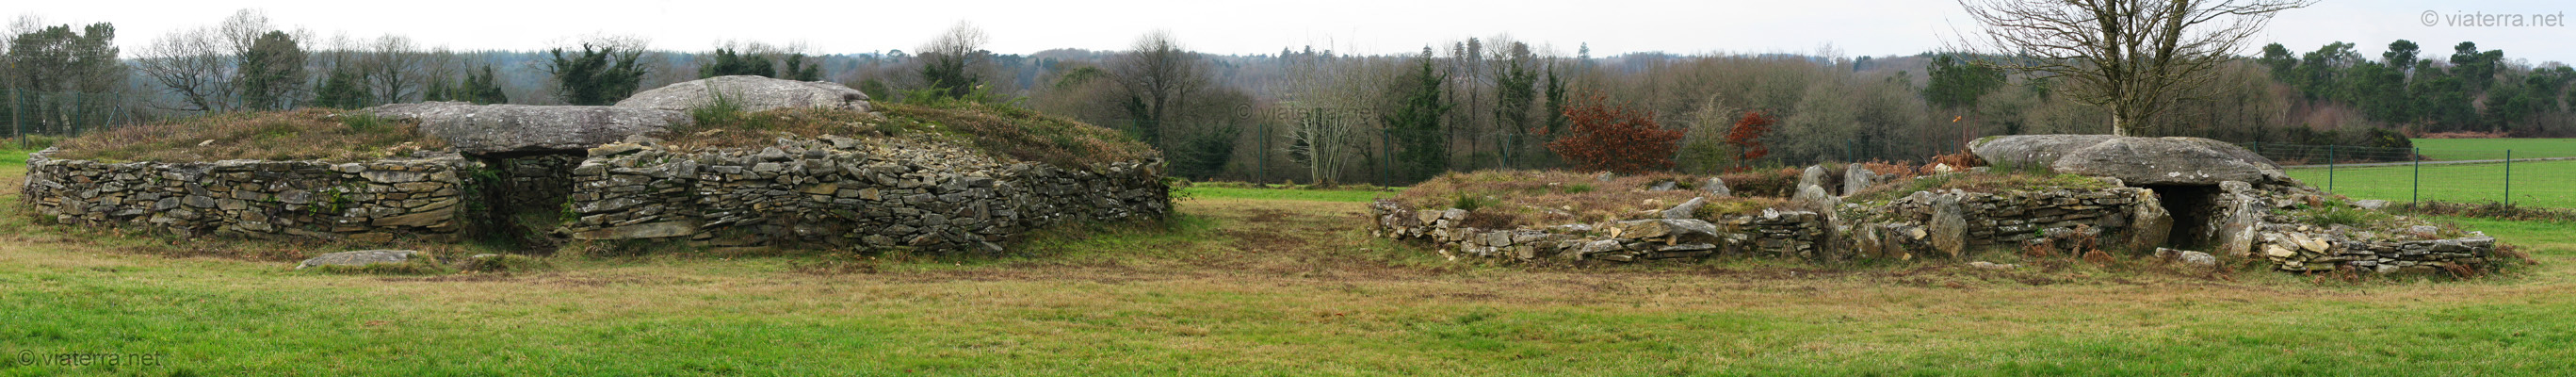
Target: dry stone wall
(846,192)
(1921,225)
(1950,223)
(1773,233)
(368,202)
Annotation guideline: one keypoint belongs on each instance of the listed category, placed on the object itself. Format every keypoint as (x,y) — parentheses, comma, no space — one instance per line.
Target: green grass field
(2534,183)
(2483,149)
(1284,194)
(2540,183)
(1249,282)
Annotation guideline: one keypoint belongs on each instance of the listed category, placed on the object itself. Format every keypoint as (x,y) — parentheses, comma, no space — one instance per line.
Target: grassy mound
(1019,134)
(309,134)
(1984,182)
(340,136)
(1508,199)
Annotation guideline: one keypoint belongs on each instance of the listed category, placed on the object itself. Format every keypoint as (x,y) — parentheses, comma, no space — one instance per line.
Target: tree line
(1310,114)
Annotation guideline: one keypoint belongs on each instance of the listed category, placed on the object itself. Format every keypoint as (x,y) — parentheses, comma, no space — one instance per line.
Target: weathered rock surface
(2149,223)
(478,129)
(2027,150)
(359,258)
(753,93)
(1813,176)
(1814,198)
(1856,178)
(1948,227)
(2135,160)
(1716,187)
(1686,209)
(2187,257)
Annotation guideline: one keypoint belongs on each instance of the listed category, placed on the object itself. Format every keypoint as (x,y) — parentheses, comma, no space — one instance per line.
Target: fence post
(2330,167)
(2508,177)
(18,115)
(2416,155)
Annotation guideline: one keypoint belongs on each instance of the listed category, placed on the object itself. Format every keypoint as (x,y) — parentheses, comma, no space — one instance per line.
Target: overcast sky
(1378,26)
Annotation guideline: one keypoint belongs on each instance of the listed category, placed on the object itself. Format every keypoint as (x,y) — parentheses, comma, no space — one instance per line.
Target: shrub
(1746,136)
(1616,138)
(1774,183)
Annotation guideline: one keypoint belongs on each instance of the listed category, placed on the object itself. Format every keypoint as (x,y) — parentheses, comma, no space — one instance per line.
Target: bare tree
(1159,75)
(1330,107)
(243,29)
(393,66)
(193,64)
(948,62)
(2134,58)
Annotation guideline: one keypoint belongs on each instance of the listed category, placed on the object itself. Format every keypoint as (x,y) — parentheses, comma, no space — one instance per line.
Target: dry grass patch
(309,134)
(1984,182)
(1001,131)
(1529,198)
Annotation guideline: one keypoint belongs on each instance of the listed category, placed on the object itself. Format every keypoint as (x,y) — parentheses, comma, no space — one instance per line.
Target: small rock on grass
(359,258)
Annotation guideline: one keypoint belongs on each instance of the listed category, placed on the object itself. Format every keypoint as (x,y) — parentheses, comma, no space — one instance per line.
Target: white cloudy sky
(1378,26)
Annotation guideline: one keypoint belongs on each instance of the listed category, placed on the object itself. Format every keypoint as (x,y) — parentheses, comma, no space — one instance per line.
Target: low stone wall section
(368,201)
(846,192)
(1773,233)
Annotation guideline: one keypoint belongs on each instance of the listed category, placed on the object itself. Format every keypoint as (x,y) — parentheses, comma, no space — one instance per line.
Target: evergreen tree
(271,72)
(2401,55)
(729,63)
(799,70)
(1958,84)
(482,88)
(438,89)
(1416,127)
(343,90)
(596,76)
(2475,68)
(2280,61)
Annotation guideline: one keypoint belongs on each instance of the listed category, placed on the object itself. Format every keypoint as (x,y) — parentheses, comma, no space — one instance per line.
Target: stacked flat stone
(2015,216)
(1773,233)
(535,183)
(368,202)
(2295,247)
(884,192)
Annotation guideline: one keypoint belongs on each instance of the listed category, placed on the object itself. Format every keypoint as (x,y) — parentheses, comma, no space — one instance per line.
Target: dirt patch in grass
(309,134)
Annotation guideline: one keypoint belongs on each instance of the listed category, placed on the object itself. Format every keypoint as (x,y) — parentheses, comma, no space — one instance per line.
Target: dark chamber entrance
(524,195)
(2194,208)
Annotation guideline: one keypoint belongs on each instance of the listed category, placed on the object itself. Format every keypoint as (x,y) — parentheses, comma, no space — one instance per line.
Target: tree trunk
(2119,121)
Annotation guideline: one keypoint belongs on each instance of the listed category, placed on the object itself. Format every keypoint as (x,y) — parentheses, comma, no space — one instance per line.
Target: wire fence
(2543,177)
(54,113)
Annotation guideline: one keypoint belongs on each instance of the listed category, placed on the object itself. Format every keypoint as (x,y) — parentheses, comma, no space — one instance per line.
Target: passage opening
(524,196)
(2193,207)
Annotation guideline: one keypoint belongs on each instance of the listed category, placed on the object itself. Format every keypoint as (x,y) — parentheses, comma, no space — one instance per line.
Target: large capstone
(482,129)
(2134,160)
(752,93)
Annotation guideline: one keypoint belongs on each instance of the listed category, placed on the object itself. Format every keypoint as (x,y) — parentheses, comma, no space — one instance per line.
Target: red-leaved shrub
(1616,138)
